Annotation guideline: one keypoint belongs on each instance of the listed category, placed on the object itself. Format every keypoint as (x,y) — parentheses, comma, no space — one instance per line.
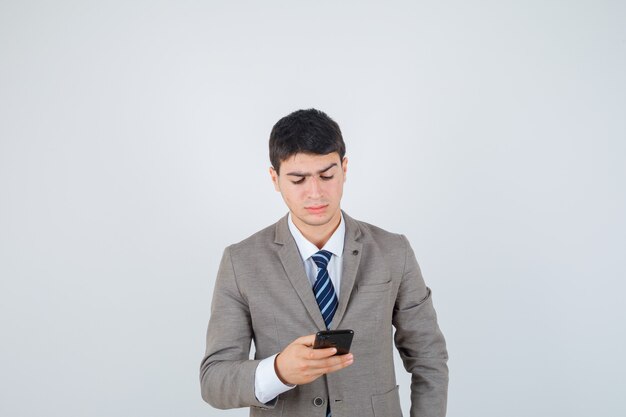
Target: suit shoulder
(255,241)
(369,228)
(380,235)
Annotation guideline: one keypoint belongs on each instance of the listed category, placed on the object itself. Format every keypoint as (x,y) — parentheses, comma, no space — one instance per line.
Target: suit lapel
(294,268)
(352,250)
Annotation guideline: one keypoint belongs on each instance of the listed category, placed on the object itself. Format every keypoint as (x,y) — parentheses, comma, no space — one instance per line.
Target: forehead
(307,162)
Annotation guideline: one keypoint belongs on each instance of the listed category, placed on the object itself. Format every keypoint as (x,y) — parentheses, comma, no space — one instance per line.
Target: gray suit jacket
(262,293)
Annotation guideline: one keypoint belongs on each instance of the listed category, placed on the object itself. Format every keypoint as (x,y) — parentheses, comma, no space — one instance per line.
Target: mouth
(316,209)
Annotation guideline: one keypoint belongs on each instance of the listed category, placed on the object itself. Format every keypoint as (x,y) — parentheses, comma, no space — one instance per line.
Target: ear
(274,176)
(344,167)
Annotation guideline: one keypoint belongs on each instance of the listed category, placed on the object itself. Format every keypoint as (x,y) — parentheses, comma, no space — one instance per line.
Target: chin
(317,219)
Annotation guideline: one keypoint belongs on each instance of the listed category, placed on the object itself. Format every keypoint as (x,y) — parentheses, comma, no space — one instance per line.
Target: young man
(317,269)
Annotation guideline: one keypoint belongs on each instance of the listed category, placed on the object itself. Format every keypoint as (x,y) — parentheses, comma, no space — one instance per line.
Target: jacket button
(318,402)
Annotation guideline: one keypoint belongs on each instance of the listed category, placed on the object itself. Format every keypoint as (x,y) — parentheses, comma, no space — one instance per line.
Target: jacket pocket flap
(384,286)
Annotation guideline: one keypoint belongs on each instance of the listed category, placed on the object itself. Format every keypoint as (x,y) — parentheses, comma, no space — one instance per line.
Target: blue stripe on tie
(320,281)
(327,305)
(335,304)
(322,300)
(317,296)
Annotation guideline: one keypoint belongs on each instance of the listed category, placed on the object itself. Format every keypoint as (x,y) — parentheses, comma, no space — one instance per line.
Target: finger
(314,354)
(338,366)
(323,364)
(305,340)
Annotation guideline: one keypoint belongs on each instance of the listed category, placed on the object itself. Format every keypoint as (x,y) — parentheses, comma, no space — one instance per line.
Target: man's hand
(300,364)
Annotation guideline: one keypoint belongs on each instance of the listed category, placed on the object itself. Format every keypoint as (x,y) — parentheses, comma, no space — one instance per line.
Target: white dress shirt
(267,385)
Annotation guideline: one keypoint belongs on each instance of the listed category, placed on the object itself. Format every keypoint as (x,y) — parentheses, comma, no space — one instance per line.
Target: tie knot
(322,258)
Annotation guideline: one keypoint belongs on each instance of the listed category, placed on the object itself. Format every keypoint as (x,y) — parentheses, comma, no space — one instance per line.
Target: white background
(133,149)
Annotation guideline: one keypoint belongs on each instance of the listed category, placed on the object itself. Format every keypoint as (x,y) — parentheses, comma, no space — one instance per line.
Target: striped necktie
(323,288)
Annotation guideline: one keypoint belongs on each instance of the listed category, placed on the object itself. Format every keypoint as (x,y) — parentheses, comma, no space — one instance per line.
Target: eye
(300,181)
(326,178)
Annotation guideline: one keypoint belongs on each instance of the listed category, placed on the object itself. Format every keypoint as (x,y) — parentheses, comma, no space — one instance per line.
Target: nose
(315,188)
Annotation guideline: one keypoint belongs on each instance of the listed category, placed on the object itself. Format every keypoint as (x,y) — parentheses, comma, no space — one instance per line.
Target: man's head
(309,166)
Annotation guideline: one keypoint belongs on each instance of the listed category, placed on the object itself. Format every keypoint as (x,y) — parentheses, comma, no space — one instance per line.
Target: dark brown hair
(305,131)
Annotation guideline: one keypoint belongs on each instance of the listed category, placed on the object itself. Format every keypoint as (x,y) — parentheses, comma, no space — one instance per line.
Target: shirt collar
(308,249)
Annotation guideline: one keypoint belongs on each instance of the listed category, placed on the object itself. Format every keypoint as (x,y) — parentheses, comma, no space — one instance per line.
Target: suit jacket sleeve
(226,372)
(420,342)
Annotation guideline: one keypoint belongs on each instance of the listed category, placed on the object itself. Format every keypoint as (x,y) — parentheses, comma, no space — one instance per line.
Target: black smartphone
(340,339)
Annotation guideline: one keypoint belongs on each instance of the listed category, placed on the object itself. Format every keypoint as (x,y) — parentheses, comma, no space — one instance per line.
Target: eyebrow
(308,174)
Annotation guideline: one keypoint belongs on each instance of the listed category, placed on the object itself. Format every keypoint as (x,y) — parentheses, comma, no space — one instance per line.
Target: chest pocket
(372,300)
(369,288)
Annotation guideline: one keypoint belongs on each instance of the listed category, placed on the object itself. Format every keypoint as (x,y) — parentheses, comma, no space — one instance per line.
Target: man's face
(312,186)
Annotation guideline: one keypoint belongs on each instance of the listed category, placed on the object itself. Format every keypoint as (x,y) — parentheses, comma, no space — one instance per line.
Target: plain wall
(133,149)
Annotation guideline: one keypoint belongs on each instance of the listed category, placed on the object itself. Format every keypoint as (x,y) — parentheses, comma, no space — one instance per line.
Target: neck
(318,234)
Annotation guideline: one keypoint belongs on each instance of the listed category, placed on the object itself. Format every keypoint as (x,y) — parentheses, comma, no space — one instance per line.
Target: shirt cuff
(267,385)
